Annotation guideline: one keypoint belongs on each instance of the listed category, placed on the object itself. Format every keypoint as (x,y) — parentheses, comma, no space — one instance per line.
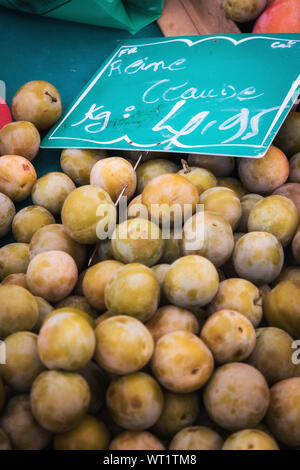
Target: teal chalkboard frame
(253,96)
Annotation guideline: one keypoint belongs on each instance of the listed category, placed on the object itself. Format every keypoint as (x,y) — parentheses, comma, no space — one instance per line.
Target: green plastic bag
(131,15)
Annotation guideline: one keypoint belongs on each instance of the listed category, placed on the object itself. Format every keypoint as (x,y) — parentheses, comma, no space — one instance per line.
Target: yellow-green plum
(264,175)
(95,280)
(56,237)
(282,307)
(86,213)
(52,275)
(165,197)
(77,163)
(234,184)
(51,190)
(283,418)
(172,249)
(181,362)
(7,213)
(171,318)
(113,174)
(103,317)
(136,440)
(145,172)
(18,310)
(104,250)
(97,383)
(66,342)
(218,165)
(291,273)
(191,281)
(160,271)
(288,137)
(21,427)
(72,310)
(208,234)
(133,290)
(16,279)
(224,202)
(137,209)
(14,258)
(78,302)
(272,354)
(202,178)
(258,257)
(239,295)
(247,202)
(59,400)
(229,335)
(89,434)
(4,441)
(135,401)
(179,410)
(23,364)
(294,176)
(243,11)
(250,439)
(28,220)
(123,345)
(196,438)
(38,102)
(296,246)
(237,396)
(277,215)
(44,308)
(137,241)
(20,138)
(17,177)
(292,192)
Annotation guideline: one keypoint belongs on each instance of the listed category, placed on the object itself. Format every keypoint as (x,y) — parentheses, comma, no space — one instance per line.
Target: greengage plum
(294,176)
(239,295)
(78,302)
(44,309)
(51,190)
(7,213)
(171,318)
(137,241)
(28,220)
(258,257)
(196,438)
(123,345)
(23,364)
(264,175)
(277,215)
(181,362)
(16,279)
(250,439)
(21,427)
(224,202)
(191,281)
(288,137)
(291,191)
(95,280)
(145,172)
(38,102)
(243,11)
(136,440)
(18,310)
(218,165)
(52,275)
(272,354)
(59,400)
(82,213)
(135,401)
(237,396)
(133,290)
(234,184)
(17,177)
(202,178)
(89,434)
(229,335)
(283,416)
(14,258)
(20,138)
(113,174)
(78,163)
(66,341)
(247,202)
(97,384)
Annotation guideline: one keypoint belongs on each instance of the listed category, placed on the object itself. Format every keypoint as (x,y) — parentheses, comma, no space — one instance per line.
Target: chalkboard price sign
(215,95)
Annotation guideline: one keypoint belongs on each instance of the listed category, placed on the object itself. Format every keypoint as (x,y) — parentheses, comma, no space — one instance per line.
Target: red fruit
(282,16)
(5,116)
